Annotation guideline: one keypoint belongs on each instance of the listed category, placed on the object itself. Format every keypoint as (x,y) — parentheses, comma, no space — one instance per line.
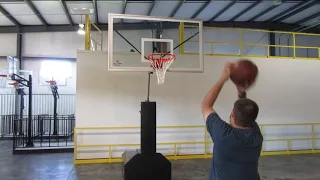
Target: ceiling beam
(125,2)
(306,19)
(200,9)
(286,11)
(36,12)
(9,16)
(305,6)
(66,11)
(176,9)
(152,7)
(143,26)
(245,10)
(95,7)
(223,10)
(265,11)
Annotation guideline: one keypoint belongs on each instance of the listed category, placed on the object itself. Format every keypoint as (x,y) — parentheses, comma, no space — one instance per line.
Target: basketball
(245,71)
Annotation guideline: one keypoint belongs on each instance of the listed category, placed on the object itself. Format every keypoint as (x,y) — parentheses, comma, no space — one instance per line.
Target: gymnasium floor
(60,167)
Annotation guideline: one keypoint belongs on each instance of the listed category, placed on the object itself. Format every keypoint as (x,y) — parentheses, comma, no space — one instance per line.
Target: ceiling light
(277,2)
(82,11)
(81,30)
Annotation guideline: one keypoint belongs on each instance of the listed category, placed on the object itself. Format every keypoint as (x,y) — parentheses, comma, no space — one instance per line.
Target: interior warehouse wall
(39,47)
(301,40)
(285,91)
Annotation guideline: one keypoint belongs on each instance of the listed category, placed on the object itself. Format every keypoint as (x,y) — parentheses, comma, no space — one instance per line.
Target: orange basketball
(245,71)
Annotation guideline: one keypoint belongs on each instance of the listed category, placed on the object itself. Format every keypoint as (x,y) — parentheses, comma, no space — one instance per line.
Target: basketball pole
(29,141)
(149,79)
(148,164)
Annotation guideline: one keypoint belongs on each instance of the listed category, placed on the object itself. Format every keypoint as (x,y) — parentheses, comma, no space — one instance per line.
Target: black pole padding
(55,104)
(55,120)
(148,165)
(148,127)
(29,139)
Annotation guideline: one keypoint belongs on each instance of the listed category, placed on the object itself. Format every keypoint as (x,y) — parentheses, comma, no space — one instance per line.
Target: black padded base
(148,167)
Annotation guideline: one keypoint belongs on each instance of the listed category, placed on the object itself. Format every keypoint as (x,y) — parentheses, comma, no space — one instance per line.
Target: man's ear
(232,113)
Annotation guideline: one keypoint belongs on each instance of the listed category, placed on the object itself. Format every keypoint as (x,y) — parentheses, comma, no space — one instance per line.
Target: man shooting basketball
(237,145)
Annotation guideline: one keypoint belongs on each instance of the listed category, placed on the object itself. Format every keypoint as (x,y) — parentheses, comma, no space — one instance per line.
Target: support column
(19,56)
(30,140)
(272,41)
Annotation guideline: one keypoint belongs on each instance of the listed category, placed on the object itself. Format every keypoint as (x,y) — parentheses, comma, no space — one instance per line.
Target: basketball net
(160,62)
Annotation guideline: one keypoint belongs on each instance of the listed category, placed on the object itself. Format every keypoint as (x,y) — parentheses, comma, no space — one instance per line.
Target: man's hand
(228,68)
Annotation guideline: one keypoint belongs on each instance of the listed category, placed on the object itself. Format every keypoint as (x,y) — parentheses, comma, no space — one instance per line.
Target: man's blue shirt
(236,152)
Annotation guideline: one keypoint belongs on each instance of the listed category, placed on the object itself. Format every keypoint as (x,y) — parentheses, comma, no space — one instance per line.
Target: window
(56,70)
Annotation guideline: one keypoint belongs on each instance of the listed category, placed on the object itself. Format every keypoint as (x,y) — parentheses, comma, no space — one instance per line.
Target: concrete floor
(60,167)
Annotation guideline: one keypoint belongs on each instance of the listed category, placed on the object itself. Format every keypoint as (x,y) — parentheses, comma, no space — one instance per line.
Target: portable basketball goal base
(149,164)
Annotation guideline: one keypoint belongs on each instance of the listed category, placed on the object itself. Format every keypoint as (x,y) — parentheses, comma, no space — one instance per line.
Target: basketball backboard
(132,38)
(12,72)
(54,70)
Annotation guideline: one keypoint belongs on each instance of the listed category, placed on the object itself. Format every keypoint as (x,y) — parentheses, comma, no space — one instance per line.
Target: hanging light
(81,30)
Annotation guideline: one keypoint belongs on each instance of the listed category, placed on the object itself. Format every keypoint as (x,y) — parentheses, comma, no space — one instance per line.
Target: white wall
(8,44)
(65,44)
(282,92)
(54,44)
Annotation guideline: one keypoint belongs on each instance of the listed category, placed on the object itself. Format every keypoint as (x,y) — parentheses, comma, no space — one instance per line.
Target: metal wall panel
(42,104)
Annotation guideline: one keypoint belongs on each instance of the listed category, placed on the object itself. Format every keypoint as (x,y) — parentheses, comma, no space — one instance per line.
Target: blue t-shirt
(236,152)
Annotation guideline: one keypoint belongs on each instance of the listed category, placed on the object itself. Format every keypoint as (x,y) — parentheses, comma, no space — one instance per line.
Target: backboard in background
(131,38)
(54,70)
(13,64)
(6,74)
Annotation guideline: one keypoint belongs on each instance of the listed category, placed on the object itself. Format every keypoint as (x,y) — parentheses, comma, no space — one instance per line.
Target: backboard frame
(112,67)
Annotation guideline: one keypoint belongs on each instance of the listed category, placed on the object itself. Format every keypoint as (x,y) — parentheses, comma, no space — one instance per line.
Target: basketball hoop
(160,63)
(15,85)
(52,83)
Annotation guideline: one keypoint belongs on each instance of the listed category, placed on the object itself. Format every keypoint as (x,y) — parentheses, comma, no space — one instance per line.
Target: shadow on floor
(60,167)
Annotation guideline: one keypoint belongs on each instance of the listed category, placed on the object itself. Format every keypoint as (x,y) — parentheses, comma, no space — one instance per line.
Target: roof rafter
(245,10)
(125,2)
(306,19)
(265,11)
(95,7)
(286,11)
(9,16)
(36,12)
(223,10)
(176,9)
(66,11)
(305,6)
(152,7)
(201,9)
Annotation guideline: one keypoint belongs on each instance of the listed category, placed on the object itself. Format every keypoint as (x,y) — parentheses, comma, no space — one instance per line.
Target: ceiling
(65,15)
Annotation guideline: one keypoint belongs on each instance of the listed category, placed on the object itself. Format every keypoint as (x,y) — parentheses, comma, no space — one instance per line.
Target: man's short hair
(245,112)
